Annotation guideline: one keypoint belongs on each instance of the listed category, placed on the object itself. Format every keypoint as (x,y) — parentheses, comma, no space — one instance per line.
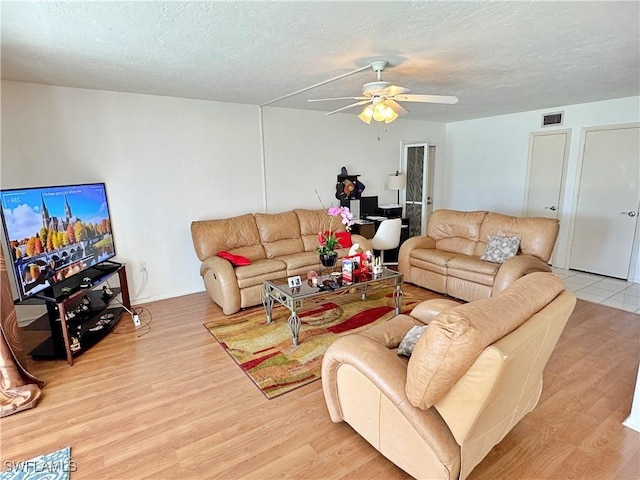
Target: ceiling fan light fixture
(367,114)
(390,115)
(380,112)
(382,96)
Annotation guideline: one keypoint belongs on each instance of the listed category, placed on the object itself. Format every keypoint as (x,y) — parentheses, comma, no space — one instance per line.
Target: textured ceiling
(497,57)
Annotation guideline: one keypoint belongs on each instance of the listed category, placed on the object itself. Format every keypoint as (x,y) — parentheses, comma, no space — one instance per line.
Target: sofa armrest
(426,311)
(365,243)
(388,373)
(221,283)
(376,362)
(516,267)
(390,334)
(405,252)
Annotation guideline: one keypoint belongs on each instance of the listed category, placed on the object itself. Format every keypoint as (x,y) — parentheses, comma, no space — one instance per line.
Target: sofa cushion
(279,233)
(500,248)
(237,235)
(260,271)
(301,260)
(473,264)
(538,234)
(313,222)
(472,269)
(456,337)
(455,231)
(431,255)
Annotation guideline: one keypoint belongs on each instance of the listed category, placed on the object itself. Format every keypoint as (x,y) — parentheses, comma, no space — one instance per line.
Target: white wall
(486,164)
(165,161)
(168,161)
(305,151)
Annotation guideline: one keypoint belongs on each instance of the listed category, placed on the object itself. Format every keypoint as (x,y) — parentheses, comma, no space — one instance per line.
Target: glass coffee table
(293,298)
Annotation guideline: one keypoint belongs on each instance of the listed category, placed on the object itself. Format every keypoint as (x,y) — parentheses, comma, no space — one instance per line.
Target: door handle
(553,208)
(631,213)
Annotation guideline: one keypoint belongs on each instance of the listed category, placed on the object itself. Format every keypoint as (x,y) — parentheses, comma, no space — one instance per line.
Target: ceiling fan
(383,97)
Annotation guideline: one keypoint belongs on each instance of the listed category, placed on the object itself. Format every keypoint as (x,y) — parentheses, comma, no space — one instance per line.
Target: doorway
(418,160)
(607,201)
(548,154)
(546,174)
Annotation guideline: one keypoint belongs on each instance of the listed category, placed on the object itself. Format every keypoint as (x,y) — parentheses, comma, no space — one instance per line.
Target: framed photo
(294,281)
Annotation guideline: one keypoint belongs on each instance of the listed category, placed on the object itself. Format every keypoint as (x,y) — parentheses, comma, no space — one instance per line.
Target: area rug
(265,351)
(51,466)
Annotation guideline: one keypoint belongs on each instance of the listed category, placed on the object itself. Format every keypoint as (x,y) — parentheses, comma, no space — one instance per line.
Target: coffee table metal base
(273,294)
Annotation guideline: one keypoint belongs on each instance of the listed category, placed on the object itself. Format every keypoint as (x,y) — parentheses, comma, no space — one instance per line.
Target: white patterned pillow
(408,343)
(500,249)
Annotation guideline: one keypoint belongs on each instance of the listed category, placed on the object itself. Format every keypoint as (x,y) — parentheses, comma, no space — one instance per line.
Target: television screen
(54,233)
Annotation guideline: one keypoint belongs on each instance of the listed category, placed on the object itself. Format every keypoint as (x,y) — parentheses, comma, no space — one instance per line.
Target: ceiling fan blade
(393,90)
(426,98)
(399,109)
(348,106)
(336,98)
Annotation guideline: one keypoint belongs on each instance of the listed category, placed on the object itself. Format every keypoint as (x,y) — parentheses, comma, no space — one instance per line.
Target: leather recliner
(475,372)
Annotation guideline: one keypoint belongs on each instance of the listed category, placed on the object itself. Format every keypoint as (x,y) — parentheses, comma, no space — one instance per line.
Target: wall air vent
(552,119)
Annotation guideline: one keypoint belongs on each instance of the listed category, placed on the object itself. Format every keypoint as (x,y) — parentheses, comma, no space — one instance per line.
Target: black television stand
(81,317)
(107,265)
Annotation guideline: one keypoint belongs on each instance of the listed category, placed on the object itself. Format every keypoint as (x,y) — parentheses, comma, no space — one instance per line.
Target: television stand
(80,318)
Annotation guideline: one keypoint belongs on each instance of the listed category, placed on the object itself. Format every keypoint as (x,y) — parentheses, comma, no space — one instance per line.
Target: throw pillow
(344,238)
(408,343)
(500,249)
(236,260)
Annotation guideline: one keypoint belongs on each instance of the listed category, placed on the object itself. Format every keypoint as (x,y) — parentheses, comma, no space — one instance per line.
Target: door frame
(565,161)
(563,176)
(404,146)
(634,262)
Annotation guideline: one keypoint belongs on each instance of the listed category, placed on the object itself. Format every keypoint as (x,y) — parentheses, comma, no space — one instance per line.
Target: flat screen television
(55,233)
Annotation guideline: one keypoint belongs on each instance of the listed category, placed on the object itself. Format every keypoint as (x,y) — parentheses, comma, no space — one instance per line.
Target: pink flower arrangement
(327,241)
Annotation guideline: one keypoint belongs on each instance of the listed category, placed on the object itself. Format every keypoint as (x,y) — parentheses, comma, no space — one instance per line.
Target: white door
(548,154)
(418,191)
(608,201)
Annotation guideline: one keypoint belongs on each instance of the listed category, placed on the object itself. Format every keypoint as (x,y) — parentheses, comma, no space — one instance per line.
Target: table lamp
(396,181)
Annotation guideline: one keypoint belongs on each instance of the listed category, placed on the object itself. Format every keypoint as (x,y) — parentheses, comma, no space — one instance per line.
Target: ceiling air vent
(552,119)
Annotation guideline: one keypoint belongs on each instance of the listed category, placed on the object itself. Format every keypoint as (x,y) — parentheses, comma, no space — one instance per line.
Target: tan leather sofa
(278,245)
(447,259)
(475,372)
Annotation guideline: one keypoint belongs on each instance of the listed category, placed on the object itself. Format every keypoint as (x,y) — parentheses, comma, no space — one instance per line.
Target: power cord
(122,329)
(143,283)
(135,317)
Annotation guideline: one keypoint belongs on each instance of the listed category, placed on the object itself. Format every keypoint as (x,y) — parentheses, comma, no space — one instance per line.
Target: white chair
(387,236)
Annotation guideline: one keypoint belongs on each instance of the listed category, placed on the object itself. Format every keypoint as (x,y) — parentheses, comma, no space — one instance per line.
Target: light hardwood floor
(173,404)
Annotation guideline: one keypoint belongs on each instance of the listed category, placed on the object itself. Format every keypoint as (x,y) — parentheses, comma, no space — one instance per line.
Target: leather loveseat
(475,372)
(449,258)
(276,245)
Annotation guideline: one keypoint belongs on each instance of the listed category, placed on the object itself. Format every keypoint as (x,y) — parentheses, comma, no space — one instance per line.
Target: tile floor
(605,290)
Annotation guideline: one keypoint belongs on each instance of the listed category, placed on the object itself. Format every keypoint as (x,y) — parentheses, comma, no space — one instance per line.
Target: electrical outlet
(136,319)
(143,266)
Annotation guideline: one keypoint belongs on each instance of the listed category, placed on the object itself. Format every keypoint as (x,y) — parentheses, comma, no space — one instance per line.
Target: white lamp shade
(380,112)
(396,182)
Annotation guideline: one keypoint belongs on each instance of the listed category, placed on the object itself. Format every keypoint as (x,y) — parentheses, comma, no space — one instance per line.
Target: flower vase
(328,261)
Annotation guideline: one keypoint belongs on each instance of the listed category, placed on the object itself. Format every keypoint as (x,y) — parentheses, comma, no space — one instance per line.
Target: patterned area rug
(51,466)
(265,351)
